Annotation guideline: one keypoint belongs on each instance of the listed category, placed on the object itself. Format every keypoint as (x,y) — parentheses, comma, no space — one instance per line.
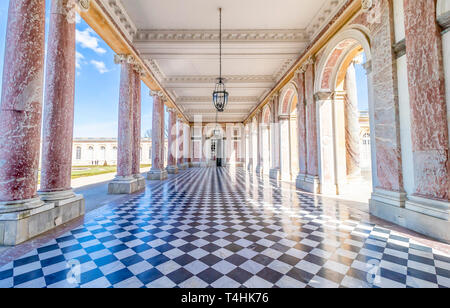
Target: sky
(97,83)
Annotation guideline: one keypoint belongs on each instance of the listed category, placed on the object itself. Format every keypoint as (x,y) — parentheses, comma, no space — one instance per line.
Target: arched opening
(288,133)
(342,94)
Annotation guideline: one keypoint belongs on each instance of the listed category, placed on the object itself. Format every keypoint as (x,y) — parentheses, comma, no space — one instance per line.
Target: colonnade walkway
(223,227)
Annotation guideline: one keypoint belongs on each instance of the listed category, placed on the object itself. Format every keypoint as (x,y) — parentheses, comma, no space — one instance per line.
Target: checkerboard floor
(216,227)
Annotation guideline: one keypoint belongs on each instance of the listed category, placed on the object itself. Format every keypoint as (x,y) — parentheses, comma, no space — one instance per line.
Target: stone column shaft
(157,171)
(180,139)
(125,137)
(301,125)
(136,170)
(352,123)
(21,103)
(172,146)
(429,121)
(56,160)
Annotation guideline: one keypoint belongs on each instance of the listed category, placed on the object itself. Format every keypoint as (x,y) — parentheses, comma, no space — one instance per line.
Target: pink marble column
(429,126)
(250,146)
(301,124)
(352,122)
(180,139)
(276,136)
(172,142)
(126,130)
(382,74)
(311,124)
(258,142)
(21,105)
(157,171)
(136,155)
(56,166)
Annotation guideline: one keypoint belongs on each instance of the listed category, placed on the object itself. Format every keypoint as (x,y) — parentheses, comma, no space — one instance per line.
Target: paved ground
(220,228)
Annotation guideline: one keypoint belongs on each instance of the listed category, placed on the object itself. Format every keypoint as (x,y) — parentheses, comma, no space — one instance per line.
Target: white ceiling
(179,41)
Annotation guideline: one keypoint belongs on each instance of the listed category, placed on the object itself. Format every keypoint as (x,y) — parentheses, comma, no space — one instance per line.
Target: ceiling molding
(213,79)
(294,35)
(323,17)
(207,99)
(121,17)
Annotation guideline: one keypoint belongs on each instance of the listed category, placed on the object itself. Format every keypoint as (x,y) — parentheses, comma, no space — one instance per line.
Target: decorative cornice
(155,69)
(295,35)
(120,16)
(322,18)
(206,99)
(213,79)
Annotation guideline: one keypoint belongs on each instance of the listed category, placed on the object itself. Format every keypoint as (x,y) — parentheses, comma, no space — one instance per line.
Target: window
(366,139)
(78,153)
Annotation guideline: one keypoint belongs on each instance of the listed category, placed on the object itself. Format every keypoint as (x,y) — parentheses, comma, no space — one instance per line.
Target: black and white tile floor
(224,228)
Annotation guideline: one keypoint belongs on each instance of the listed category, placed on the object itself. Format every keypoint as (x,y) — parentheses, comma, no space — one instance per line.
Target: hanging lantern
(220,94)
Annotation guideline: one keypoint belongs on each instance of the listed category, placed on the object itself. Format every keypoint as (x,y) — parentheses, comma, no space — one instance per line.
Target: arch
(335,54)
(288,95)
(331,71)
(267,115)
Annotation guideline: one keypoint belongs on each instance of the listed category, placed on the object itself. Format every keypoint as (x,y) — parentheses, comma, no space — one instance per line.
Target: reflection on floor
(224,228)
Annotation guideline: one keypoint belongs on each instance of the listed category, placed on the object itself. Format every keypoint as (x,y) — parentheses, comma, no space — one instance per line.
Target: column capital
(368,67)
(323,96)
(124,58)
(171,110)
(156,93)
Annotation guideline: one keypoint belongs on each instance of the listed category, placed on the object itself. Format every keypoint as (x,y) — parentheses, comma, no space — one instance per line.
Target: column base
(140,180)
(123,185)
(19,226)
(172,169)
(157,174)
(259,169)
(250,167)
(275,174)
(183,166)
(53,196)
(308,183)
(392,208)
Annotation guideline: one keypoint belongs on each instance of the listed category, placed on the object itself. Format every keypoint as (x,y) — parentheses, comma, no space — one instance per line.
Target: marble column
(275,172)
(56,166)
(311,181)
(352,128)
(125,182)
(258,142)
(429,121)
(157,171)
(188,146)
(20,112)
(301,127)
(136,154)
(250,146)
(181,146)
(172,146)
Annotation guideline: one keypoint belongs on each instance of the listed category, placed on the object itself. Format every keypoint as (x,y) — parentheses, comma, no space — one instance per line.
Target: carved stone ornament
(367,5)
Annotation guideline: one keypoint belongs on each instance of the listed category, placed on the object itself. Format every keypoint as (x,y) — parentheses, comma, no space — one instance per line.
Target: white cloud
(100,66)
(88,39)
(77,18)
(79,59)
